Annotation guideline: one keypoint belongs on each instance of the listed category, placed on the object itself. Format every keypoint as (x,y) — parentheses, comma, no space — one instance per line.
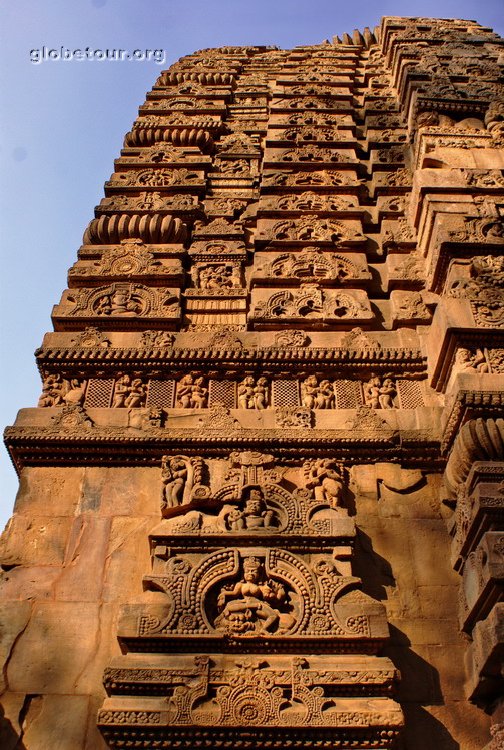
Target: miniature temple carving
(271,416)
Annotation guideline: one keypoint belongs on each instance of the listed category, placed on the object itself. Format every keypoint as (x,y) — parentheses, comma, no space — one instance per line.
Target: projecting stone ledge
(64,435)
(309,701)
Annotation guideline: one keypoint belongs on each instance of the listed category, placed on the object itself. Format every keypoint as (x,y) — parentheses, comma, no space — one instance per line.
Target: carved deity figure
(174,475)
(191,392)
(252,393)
(317,395)
(380,394)
(119,302)
(53,391)
(75,392)
(471,361)
(254,514)
(128,393)
(323,476)
(256,605)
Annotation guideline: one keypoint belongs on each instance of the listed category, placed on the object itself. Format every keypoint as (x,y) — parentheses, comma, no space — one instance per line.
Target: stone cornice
(115,446)
(111,357)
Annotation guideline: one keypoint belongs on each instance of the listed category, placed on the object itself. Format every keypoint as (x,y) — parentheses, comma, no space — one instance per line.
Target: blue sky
(62,124)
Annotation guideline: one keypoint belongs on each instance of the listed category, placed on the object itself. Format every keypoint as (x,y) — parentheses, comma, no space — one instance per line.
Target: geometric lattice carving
(410,394)
(285,393)
(222,392)
(348,394)
(99,393)
(161,393)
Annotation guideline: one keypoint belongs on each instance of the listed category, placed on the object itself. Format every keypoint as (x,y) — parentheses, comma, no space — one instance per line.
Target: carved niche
(254,499)
(214,277)
(310,228)
(484,290)
(131,259)
(160,178)
(309,304)
(272,593)
(322,178)
(311,264)
(309,201)
(121,300)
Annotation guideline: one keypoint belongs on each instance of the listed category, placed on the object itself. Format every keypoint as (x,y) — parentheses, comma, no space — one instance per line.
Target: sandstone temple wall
(261,496)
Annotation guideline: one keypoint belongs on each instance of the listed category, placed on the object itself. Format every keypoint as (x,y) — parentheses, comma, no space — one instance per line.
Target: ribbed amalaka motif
(287,317)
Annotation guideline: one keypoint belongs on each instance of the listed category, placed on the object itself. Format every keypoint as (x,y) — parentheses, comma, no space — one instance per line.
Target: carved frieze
(207,694)
(308,201)
(150,201)
(234,594)
(303,180)
(156,178)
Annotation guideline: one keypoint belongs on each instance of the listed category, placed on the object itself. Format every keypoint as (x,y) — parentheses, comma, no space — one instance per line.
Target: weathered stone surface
(15,617)
(55,721)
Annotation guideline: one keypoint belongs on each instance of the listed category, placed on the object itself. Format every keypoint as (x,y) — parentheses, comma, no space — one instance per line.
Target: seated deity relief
(256,604)
(120,300)
(249,512)
(253,502)
(262,593)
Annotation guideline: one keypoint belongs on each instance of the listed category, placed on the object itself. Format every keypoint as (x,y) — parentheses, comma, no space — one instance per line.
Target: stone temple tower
(262,493)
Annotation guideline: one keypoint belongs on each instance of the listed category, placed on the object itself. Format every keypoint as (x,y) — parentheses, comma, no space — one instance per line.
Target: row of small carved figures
(192,392)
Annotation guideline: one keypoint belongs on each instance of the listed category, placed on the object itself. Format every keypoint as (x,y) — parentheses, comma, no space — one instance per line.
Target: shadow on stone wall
(420,685)
(9,738)
(374,570)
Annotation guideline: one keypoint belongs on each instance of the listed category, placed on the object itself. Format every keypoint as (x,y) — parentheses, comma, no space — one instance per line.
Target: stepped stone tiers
(262,493)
